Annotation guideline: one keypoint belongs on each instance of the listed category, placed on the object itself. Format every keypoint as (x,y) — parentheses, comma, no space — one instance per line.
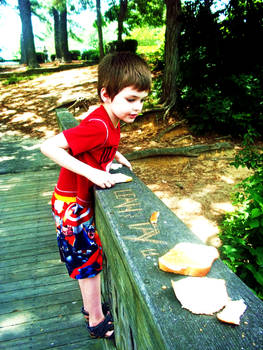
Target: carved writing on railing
(130,203)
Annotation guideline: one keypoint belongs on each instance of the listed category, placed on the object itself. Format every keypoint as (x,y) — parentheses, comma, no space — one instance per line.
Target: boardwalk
(39,303)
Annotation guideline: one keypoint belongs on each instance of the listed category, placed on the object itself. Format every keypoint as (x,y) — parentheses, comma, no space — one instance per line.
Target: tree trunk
(171,55)
(55,14)
(22,49)
(121,17)
(66,57)
(99,26)
(27,32)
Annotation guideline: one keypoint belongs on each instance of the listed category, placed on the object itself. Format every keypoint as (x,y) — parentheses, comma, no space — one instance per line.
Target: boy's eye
(134,99)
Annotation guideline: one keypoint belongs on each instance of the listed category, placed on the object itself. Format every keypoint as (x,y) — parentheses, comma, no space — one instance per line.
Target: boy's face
(126,105)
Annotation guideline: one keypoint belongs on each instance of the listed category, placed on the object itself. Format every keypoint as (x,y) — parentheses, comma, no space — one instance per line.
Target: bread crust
(189,259)
(232,312)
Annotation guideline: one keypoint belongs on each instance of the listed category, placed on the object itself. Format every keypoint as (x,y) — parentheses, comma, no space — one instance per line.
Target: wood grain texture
(39,304)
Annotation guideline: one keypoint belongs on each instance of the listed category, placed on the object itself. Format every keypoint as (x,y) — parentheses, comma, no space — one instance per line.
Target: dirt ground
(196,189)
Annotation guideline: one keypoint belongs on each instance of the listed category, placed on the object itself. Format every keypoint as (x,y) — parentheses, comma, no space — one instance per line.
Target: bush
(41,57)
(229,105)
(90,55)
(242,231)
(126,45)
(75,54)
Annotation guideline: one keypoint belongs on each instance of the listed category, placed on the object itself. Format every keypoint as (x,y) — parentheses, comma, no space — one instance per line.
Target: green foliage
(126,45)
(230,105)
(90,55)
(145,12)
(148,36)
(14,79)
(221,80)
(41,57)
(139,13)
(75,54)
(242,231)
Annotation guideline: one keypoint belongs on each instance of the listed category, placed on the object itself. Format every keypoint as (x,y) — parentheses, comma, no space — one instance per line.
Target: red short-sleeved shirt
(95,142)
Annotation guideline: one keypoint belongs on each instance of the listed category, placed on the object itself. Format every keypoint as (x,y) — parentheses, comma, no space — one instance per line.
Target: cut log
(187,151)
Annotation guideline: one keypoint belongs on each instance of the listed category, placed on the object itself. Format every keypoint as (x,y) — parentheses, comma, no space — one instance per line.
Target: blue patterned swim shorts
(78,241)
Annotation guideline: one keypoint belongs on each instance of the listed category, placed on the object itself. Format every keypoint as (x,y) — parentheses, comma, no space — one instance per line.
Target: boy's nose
(138,106)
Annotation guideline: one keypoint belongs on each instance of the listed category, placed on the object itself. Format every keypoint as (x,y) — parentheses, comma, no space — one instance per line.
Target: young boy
(85,154)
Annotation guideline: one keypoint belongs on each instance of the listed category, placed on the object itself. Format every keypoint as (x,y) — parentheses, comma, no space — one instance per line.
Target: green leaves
(242,231)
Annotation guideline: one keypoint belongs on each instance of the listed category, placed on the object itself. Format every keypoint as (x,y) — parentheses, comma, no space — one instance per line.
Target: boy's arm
(56,149)
(122,160)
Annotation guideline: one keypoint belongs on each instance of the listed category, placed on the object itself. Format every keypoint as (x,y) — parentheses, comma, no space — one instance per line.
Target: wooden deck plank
(68,296)
(22,206)
(29,245)
(62,338)
(31,260)
(32,283)
(29,252)
(39,313)
(22,275)
(39,303)
(27,234)
(28,240)
(35,226)
(18,217)
(37,290)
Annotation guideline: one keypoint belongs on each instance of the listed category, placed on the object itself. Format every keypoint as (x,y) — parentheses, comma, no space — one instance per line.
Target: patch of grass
(14,79)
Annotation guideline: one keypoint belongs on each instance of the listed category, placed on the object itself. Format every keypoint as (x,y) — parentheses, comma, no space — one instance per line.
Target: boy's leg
(91,295)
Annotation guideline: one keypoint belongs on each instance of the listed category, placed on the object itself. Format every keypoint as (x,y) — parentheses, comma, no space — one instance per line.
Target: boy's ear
(104,95)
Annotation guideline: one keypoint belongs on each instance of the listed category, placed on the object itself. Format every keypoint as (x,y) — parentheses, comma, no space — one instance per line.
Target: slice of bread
(189,259)
(232,312)
(119,178)
(201,295)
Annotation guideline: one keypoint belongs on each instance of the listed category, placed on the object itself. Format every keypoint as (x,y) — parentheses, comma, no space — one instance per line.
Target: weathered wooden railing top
(147,314)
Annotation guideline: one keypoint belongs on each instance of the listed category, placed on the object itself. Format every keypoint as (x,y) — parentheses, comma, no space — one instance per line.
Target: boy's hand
(122,160)
(101,178)
(107,180)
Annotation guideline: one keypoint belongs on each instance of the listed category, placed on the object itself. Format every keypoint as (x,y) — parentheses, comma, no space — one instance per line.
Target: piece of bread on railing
(232,312)
(201,295)
(190,259)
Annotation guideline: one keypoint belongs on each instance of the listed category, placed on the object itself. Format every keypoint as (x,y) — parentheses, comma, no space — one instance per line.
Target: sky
(10,29)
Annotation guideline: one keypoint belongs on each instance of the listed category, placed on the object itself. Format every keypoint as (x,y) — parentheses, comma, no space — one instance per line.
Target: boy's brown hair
(122,69)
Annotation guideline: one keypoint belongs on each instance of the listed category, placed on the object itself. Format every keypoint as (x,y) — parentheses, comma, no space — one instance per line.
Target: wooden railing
(147,315)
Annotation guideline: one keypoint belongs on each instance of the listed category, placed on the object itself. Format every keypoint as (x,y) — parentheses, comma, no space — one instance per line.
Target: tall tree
(121,17)
(55,14)
(59,12)
(66,57)
(98,23)
(99,27)
(118,12)
(171,54)
(27,33)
